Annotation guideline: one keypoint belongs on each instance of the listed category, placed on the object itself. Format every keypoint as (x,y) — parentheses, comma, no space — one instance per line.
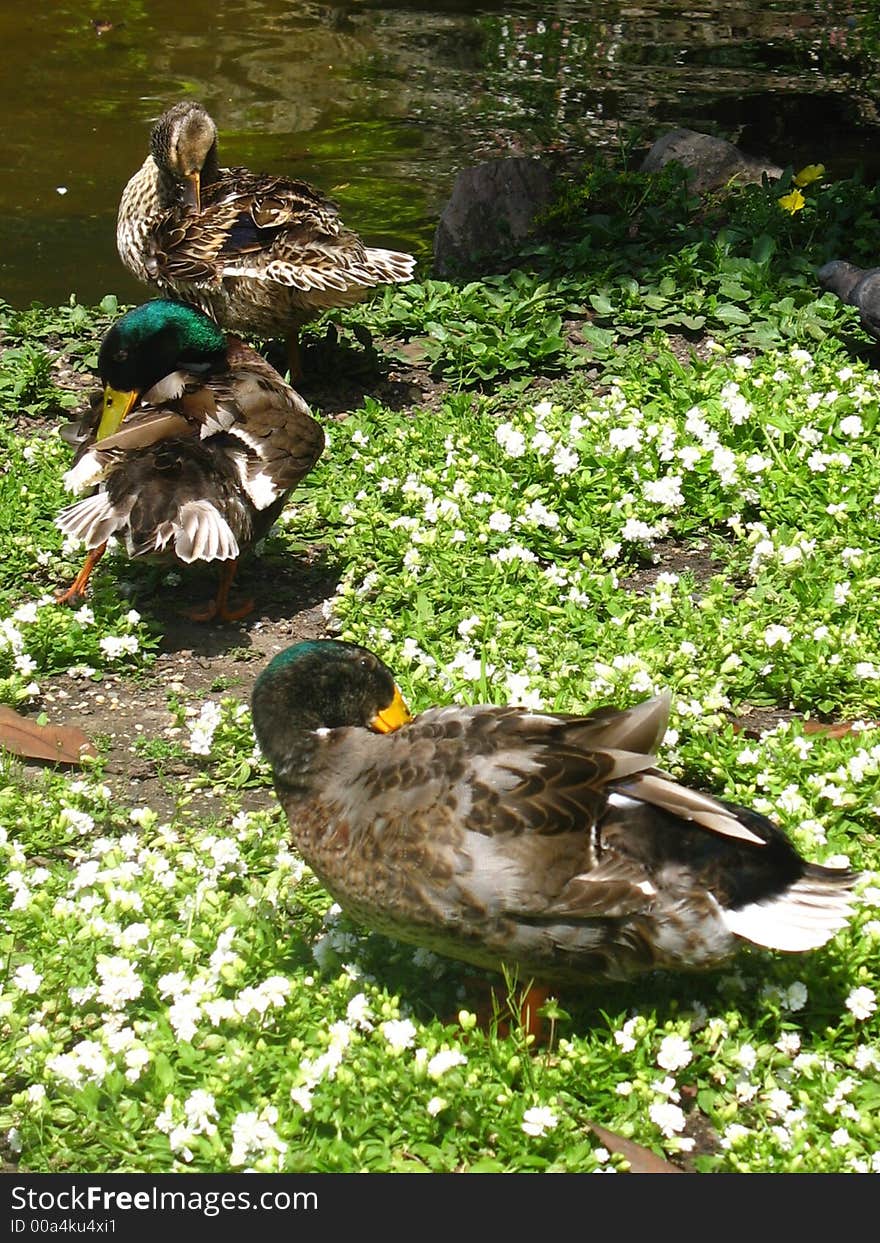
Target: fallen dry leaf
(641,1160)
(838,730)
(60,744)
(769,720)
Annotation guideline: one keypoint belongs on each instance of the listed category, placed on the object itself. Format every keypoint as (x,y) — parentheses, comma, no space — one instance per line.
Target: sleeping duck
(259,253)
(499,835)
(193,451)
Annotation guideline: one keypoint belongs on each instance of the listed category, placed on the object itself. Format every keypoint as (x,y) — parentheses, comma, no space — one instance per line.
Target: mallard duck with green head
(261,254)
(192,452)
(500,835)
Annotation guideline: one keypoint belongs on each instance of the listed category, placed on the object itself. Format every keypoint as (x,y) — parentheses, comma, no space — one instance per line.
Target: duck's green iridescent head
(322,684)
(149,343)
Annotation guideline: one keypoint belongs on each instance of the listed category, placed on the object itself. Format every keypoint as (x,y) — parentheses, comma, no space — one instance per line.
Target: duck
(191,451)
(261,254)
(546,843)
(858,287)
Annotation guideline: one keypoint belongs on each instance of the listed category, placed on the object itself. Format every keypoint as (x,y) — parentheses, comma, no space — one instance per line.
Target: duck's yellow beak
(392,717)
(192,191)
(116,406)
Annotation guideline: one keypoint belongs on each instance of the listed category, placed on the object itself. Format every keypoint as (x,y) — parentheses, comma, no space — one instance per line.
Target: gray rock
(858,287)
(492,208)
(712,162)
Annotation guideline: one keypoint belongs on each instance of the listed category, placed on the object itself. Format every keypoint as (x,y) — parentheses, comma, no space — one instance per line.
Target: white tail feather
(92,520)
(203,534)
(807,915)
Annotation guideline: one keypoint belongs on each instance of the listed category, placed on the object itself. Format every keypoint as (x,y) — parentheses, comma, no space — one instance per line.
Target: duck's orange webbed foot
(77,588)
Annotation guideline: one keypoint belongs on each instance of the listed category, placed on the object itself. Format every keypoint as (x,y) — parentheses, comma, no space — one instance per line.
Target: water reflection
(380,103)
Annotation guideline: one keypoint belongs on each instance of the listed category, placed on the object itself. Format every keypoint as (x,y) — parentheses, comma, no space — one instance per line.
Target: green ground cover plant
(688,500)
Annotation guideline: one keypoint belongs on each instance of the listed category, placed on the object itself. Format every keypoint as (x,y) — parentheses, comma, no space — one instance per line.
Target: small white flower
(302,1096)
(778,1102)
(565,460)
(400,1033)
(625,1037)
(499,521)
(445,1060)
(114,646)
(634,530)
(668,1117)
(861,1003)
(795,996)
(674,1053)
(852,426)
(538,1120)
(623,438)
(358,1012)
(119,981)
(665,491)
(733,1134)
(540,515)
(789,1043)
(435,1105)
(254,1137)
(512,441)
(26,979)
(777,635)
(747,1057)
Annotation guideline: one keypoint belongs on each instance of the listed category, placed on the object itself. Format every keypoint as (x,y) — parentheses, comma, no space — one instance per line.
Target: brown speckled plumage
(207,457)
(551,843)
(261,254)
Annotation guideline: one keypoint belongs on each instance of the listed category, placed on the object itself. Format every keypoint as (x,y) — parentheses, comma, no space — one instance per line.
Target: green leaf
(730,314)
(601,304)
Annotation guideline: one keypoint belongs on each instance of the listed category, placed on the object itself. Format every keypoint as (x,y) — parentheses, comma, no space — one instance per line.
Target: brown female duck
(261,254)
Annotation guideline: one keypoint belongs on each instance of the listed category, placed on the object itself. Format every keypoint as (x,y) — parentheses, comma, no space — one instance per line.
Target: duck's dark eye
(365,662)
(121,355)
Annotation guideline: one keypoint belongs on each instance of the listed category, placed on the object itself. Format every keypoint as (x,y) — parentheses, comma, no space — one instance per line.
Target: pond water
(380,103)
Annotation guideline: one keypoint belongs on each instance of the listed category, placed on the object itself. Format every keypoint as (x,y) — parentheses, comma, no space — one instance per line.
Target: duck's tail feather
(389,266)
(803,917)
(93,520)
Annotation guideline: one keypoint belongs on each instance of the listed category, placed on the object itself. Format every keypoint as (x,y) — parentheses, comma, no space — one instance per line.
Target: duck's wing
(250,225)
(268,419)
(268,229)
(506,801)
(145,426)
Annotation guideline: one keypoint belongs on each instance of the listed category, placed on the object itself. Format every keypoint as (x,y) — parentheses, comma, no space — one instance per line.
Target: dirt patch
(690,557)
(195,662)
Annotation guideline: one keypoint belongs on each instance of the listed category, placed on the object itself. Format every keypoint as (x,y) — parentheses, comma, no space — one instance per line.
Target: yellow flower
(812,172)
(792,202)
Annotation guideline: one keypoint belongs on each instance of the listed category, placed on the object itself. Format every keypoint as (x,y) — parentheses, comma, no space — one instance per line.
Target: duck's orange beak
(116,406)
(192,191)
(392,717)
